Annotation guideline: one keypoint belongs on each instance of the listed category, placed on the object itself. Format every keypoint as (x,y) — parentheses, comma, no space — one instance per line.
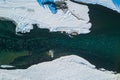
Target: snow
(6,66)
(106,3)
(28,12)
(25,13)
(70,67)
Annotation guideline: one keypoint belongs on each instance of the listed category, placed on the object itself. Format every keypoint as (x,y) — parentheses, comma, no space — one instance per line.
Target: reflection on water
(100,47)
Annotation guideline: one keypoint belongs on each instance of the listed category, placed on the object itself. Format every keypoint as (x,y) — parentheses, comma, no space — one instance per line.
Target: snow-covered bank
(28,12)
(65,68)
(106,3)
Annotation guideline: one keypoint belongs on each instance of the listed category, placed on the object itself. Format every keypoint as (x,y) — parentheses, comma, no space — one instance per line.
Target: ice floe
(6,66)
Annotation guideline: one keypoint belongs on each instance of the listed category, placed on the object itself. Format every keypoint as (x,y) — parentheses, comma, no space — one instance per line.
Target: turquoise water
(100,47)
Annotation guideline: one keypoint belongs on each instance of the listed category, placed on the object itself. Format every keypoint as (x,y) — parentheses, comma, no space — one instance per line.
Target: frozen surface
(6,66)
(25,13)
(112,4)
(65,68)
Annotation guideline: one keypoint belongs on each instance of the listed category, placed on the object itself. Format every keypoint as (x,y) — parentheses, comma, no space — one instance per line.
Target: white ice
(27,12)
(6,66)
(70,67)
(106,3)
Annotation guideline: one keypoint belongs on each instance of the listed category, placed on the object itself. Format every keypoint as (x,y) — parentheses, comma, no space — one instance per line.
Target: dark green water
(101,47)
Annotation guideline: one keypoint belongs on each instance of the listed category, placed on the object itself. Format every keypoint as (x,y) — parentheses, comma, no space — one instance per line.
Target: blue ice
(117,3)
(49,3)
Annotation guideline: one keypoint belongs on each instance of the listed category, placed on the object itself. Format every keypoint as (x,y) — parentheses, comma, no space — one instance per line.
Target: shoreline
(73,64)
